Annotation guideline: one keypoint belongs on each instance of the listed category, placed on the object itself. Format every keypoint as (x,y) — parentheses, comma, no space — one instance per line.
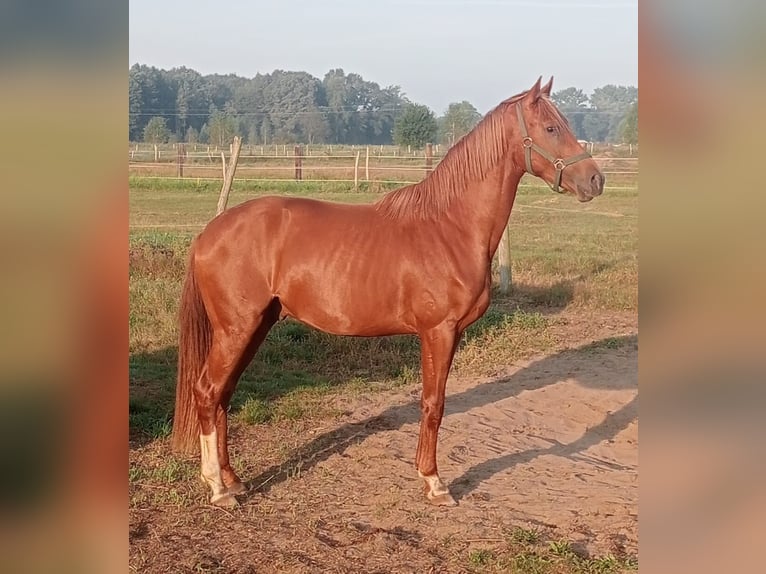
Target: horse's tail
(193,347)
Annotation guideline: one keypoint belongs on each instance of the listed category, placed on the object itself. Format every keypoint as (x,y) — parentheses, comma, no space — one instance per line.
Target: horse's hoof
(225,500)
(236,488)
(442,500)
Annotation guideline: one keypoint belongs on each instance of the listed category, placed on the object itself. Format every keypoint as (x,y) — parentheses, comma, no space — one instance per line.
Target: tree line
(295,107)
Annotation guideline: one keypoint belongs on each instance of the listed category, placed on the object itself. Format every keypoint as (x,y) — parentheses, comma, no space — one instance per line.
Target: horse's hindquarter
(347,270)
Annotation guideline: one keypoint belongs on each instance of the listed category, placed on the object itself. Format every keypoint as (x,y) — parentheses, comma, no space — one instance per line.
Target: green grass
(168,471)
(481,557)
(575,258)
(525,536)
(529,551)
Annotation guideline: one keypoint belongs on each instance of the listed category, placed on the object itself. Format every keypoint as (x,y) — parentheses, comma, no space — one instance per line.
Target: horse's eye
(551,129)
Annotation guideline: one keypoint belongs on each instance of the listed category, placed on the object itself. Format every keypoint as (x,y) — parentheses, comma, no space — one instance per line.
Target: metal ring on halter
(559,164)
(527,141)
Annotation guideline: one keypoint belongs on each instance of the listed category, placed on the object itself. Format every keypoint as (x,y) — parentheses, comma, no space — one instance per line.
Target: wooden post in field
(156,154)
(229,178)
(504,262)
(429,158)
(367,165)
(298,163)
(356,172)
(181,158)
(223,165)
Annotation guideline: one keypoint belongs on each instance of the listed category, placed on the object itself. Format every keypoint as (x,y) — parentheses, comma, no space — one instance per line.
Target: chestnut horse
(416,262)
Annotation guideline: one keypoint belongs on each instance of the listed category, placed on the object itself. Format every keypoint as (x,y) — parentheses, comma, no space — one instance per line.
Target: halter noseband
(558,163)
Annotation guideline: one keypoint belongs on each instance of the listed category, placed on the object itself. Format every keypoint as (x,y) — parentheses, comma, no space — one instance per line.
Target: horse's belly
(350,317)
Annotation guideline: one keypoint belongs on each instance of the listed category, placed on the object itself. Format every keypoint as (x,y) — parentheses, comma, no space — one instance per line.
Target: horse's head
(551,151)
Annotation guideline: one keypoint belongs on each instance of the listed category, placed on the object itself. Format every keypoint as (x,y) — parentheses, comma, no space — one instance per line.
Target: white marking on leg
(211,469)
(435,485)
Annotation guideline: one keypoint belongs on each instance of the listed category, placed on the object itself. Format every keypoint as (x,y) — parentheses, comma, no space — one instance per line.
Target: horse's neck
(483,210)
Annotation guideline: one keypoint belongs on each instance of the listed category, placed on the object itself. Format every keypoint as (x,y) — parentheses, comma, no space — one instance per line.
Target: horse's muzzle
(593,188)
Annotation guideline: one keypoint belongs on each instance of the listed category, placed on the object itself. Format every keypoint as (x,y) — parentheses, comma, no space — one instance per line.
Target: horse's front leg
(437,348)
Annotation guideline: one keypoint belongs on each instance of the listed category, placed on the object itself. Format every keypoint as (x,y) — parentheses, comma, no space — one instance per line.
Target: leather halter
(558,163)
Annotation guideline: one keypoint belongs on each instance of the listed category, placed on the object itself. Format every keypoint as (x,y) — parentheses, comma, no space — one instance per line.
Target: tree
(596,126)
(613,98)
(570,99)
(151,94)
(204,134)
(613,102)
(359,112)
(416,126)
(267,130)
(156,131)
(459,119)
(135,101)
(192,135)
(252,134)
(629,129)
(573,103)
(222,128)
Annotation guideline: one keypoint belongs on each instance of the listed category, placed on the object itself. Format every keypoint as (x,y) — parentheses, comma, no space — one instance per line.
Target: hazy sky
(438,51)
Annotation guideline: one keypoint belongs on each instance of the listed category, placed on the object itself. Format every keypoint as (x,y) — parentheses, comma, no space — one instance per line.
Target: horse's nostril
(597,182)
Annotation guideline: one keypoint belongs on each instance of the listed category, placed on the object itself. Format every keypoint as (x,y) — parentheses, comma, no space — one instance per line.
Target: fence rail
(374,164)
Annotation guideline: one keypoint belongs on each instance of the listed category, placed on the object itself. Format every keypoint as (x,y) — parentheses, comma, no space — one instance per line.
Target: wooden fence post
(504,262)
(429,158)
(356,172)
(181,158)
(229,177)
(367,165)
(298,163)
(156,154)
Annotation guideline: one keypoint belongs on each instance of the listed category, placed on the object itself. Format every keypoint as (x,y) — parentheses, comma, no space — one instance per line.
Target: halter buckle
(559,164)
(527,142)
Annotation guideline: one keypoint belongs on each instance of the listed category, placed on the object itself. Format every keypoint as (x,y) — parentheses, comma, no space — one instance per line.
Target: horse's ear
(534,92)
(546,89)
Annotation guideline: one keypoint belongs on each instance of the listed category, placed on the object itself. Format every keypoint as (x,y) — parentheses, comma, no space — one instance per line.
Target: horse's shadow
(539,374)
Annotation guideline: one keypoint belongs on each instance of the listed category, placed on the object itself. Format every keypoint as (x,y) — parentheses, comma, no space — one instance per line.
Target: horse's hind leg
(210,389)
(231,481)
(230,353)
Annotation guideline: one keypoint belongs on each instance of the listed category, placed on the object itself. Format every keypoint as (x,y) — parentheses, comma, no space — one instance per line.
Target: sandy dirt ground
(550,443)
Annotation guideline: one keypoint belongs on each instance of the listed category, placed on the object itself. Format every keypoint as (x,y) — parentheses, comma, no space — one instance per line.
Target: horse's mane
(469,160)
